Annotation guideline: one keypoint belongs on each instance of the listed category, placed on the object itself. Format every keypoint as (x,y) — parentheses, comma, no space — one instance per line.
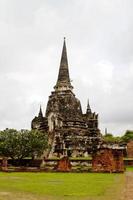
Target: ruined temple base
(108,160)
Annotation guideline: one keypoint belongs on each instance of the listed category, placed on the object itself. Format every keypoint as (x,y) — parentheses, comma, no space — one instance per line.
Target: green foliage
(9,143)
(129,168)
(128,136)
(21,144)
(109,138)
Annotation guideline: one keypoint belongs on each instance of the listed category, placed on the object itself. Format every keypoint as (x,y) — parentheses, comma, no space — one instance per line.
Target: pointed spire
(40,112)
(106,131)
(63,81)
(88,108)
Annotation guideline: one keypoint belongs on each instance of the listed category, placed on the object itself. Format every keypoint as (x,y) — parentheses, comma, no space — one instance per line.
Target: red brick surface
(108,160)
(64,165)
(130,149)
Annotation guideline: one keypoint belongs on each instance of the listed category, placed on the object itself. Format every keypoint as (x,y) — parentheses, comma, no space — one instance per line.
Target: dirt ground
(127,193)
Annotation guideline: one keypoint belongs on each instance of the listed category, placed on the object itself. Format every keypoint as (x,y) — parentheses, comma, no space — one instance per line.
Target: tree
(21,144)
(109,138)
(128,136)
(38,142)
(9,143)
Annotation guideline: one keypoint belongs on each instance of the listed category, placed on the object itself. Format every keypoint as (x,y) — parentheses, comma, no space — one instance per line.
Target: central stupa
(70,132)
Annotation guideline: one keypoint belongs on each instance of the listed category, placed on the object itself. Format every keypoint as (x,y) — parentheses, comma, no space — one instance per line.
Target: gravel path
(127,193)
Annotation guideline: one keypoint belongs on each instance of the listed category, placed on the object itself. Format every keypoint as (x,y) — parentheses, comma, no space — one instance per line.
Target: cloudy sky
(99,36)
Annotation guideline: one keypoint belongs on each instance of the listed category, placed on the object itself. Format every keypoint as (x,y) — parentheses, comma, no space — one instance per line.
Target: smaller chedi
(70,131)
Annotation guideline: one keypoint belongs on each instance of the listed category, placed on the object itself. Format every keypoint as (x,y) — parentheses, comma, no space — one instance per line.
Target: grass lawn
(129,168)
(60,186)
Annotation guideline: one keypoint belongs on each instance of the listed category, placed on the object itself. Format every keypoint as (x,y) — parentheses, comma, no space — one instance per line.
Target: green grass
(129,168)
(59,186)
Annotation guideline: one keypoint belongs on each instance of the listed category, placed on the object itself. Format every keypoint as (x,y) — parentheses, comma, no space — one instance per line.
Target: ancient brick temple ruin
(108,159)
(70,131)
(130,149)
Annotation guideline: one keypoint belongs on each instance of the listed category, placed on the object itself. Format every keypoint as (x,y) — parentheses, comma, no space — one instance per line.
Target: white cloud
(100,49)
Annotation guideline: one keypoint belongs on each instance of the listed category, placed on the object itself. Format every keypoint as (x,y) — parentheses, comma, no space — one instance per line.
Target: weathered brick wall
(64,165)
(130,149)
(108,160)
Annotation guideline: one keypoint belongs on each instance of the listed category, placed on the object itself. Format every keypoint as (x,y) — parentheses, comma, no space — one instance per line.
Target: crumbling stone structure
(40,122)
(108,159)
(130,149)
(70,132)
(64,165)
